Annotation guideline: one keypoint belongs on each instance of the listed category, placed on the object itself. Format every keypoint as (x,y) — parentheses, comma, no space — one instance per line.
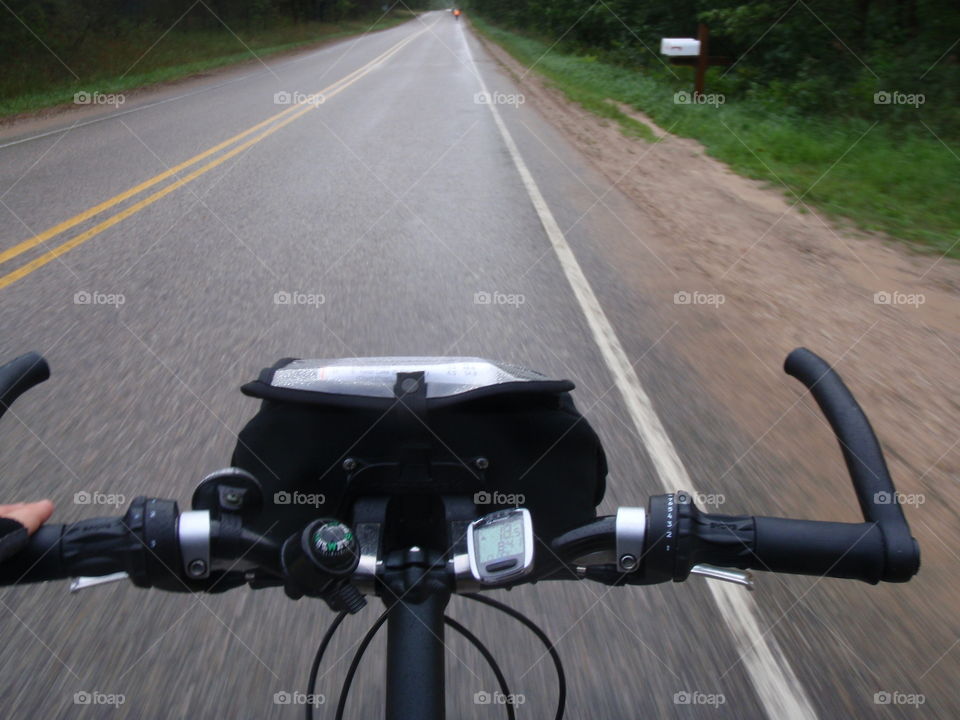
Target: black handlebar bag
(330,431)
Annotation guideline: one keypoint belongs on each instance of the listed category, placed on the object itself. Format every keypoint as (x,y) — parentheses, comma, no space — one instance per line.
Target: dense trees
(31,29)
(797,55)
(69,20)
(58,46)
(806,54)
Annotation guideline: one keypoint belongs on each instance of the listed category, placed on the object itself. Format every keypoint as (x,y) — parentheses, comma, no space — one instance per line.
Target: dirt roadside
(887,317)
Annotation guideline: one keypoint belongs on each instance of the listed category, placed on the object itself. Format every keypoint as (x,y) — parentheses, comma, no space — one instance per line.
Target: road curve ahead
(386,195)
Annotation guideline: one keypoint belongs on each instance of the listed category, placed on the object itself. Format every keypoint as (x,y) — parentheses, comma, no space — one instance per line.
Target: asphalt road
(388,209)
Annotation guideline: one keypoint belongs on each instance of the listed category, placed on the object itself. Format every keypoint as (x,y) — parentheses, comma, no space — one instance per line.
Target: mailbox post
(703,59)
(695,53)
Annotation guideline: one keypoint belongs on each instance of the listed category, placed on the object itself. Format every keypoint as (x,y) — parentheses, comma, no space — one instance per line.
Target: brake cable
(355,663)
(532,626)
(470,637)
(318,658)
(491,661)
(457,627)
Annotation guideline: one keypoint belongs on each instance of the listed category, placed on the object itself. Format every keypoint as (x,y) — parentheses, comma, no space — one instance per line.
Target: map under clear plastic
(377,376)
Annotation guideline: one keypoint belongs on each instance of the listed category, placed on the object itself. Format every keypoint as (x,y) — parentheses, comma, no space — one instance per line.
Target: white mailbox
(679,47)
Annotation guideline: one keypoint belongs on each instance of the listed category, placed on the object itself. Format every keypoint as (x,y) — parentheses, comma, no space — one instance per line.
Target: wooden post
(703,61)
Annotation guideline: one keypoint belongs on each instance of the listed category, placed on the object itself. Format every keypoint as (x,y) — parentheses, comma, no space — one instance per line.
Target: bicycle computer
(500,546)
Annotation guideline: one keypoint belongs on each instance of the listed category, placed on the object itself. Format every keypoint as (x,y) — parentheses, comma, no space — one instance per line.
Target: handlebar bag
(335,430)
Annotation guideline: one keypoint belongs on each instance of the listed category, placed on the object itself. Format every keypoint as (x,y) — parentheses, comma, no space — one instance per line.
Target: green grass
(111,65)
(902,182)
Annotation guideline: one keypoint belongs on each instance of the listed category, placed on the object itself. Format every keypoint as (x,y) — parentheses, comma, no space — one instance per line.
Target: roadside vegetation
(60,50)
(864,132)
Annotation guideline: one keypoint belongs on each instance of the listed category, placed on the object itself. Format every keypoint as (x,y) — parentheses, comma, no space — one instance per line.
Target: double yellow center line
(272,124)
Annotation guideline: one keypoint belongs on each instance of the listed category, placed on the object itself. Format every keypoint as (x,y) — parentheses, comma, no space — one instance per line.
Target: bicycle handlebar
(864,458)
(19,375)
(680,536)
(677,536)
(142,543)
(153,546)
(90,547)
(145,543)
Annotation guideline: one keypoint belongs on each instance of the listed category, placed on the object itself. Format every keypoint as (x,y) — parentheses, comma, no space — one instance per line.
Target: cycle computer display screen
(500,546)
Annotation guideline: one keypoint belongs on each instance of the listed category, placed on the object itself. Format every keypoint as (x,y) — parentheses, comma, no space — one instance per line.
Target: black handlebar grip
(827,549)
(39,561)
(679,537)
(143,543)
(98,546)
(19,375)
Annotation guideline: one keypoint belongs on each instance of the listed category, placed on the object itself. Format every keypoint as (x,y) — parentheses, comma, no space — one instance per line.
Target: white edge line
(774,680)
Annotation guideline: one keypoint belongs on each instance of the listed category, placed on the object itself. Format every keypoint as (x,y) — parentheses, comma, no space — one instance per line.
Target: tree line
(806,54)
(32,31)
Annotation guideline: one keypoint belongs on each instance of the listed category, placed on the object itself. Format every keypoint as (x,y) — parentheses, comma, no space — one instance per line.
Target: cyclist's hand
(18,522)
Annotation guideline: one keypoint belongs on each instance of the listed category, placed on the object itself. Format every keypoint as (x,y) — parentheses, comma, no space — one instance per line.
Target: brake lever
(737,577)
(80,583)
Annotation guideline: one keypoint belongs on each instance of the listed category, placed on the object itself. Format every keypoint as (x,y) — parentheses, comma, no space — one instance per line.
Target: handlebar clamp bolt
(628,562)
(349,464)
(197,568)
(482,463)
